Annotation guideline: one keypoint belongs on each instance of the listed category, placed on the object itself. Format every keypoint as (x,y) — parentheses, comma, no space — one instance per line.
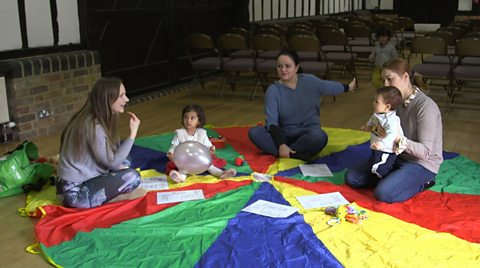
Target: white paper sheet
(316,170)
(154,183)
(322,200)
(179,196)
(270,209)
(261,177)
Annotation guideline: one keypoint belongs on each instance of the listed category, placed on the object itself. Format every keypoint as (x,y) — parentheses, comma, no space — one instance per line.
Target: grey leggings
(98,190)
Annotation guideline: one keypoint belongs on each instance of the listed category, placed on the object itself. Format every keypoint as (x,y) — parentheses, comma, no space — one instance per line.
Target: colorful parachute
(437,228)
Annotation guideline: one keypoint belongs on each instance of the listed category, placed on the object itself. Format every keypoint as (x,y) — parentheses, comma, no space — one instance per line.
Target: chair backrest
(429,45)
(405,23)
(468,47)
(358,31)
(333,37)
(457,31)
(449,37)
(337,20)
(298,31)
(302,24)
(270,31)
(200,41)
(274,27)
(473,34)
(232,41)
(238,30)
(377,24)
(304,43)
(464,25)
(267,42)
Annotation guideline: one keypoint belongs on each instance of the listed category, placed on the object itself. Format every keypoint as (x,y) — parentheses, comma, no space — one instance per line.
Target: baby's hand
(377,145)
(170,156)
(365,128)
(212,149)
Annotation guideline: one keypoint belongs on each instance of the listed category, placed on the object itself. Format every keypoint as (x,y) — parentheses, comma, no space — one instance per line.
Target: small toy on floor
(239,161)
(347,212)
(219,142)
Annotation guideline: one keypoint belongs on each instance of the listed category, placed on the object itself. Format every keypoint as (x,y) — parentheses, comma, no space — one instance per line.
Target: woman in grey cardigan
(420,147)
(93,166)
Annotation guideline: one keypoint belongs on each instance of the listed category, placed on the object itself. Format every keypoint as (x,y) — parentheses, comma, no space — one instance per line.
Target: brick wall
(58,83)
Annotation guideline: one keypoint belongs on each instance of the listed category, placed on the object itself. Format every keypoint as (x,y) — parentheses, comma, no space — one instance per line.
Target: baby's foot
(176,176)
(228,173)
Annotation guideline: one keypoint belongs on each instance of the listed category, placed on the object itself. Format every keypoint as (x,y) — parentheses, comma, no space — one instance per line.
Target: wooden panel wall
(142,42)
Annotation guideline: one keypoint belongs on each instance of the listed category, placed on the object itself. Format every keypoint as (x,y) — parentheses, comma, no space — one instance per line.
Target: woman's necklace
(410,97)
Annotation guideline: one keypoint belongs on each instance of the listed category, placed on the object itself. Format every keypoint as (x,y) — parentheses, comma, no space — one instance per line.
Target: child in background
(193,119)
(384,152)
(383,51)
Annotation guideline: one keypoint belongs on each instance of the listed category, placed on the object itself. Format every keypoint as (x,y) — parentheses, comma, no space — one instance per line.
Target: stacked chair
(204,56)
(428,45)
(241,59)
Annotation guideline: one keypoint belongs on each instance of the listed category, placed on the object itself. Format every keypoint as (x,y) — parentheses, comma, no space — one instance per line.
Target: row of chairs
(235,56)
(456,68)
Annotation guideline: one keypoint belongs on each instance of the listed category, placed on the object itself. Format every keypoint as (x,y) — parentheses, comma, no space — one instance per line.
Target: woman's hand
(134,124)
(284,151)
(400,144)
(353,85)
(377,146)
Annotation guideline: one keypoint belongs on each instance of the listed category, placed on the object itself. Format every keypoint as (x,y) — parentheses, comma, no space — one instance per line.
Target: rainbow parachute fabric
(439,227)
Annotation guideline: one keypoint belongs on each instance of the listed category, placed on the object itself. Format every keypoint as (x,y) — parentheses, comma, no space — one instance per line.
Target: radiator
(4,116)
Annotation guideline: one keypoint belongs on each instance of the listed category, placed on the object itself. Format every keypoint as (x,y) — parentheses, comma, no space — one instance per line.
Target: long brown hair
(400,66)
(96,110)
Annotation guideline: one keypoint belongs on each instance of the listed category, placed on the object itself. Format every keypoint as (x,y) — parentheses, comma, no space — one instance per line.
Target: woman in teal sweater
(292,110)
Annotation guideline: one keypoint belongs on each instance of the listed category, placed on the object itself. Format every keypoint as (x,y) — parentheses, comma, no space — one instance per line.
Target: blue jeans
(402,183)
(308,141)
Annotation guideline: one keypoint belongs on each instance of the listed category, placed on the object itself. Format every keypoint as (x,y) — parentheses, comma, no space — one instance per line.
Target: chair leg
(252,92)
(458,89)
(200,80)
(234,81)
(224,80)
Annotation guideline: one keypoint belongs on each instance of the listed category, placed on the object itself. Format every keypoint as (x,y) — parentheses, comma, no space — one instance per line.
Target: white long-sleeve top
(181,135)
(391,123)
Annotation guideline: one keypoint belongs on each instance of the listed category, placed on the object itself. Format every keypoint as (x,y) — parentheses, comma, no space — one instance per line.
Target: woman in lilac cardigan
(420,147)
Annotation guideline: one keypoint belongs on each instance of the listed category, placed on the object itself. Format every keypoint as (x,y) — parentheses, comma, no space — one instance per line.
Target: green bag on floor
(18,169)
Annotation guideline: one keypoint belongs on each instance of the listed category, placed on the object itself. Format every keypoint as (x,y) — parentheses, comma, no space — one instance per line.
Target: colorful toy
(348,213)
(332,211)
(239,161)
(219,142)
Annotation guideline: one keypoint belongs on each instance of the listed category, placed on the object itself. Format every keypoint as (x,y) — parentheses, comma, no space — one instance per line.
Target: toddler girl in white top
(193,119)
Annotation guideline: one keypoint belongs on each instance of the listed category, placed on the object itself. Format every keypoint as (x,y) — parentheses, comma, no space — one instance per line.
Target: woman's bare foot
(139,192)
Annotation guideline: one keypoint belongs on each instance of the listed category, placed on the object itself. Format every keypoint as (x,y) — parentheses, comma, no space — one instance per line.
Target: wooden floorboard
(163,115)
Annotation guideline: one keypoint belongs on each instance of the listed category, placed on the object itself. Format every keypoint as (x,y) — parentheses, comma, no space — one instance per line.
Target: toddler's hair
(391,95)
(197,109)
(383,31)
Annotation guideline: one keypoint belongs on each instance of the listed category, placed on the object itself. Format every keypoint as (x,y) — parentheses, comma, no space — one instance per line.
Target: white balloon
(192,157)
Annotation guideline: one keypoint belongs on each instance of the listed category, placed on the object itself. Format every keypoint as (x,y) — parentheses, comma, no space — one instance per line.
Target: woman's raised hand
(352,85)
(134,124)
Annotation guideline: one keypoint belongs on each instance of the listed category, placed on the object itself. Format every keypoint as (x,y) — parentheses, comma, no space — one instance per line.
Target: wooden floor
(461,133)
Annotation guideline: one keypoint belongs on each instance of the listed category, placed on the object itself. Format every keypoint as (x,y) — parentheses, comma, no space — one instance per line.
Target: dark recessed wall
(142,42)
